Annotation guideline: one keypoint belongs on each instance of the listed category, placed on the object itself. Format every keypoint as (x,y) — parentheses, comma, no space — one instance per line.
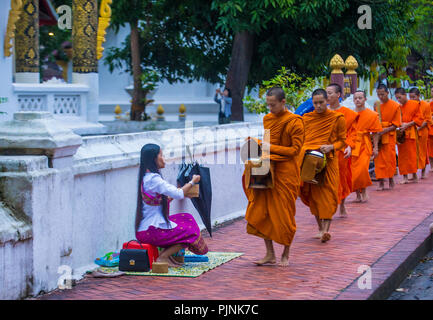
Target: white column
(91,109)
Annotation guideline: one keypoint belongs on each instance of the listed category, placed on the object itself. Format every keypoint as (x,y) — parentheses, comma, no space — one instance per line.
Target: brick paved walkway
(316,271)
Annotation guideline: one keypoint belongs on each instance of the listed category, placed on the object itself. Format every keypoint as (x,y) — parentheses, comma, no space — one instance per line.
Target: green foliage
(192,39)
(425,85)
(178,39)
(420,36)
(297,90)
(149,80)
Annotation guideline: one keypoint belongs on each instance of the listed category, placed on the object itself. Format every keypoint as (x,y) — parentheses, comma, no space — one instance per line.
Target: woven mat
(189,269)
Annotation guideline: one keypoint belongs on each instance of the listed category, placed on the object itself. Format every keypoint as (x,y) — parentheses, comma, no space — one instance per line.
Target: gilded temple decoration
(27,38)
(103,23)
(84,31)
(336,64)
(351,64)
(14,15)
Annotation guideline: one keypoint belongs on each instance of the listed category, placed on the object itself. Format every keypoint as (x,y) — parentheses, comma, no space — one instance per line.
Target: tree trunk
(239,68)
(137,107)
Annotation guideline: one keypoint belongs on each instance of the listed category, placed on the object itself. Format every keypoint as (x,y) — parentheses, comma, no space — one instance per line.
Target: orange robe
(430,134)
(385,163)
(320,129)
(408,153)
(423,135)
(271,212)
(362,148)
(345,164)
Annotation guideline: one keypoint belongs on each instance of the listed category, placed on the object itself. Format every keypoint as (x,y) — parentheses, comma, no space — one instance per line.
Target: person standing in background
(225,102)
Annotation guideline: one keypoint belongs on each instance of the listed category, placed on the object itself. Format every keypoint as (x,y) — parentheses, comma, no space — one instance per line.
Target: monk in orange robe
(334,92)
(430,135)
(408,152)
(363,150)
(389,112)
(414,94)
(325,131)
(271,212)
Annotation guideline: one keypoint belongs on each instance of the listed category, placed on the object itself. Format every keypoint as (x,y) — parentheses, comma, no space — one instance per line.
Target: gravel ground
(418,285)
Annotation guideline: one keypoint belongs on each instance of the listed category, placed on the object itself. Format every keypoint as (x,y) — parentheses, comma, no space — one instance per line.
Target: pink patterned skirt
(186,233)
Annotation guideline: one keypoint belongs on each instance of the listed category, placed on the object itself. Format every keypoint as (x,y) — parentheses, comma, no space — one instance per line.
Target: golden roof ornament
(103,23)
(336,64)
(14,15)
(351,65)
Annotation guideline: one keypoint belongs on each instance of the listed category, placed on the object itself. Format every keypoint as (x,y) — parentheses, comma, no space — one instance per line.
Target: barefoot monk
(366,125)
(408,152)
(334,92)
(325,131)
(271,212)
(385,164)
(414,94)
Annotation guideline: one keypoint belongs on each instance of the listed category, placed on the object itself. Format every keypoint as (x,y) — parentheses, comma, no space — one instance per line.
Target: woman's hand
(195,178)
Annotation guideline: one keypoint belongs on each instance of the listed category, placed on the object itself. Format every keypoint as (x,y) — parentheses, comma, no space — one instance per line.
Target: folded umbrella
(204,201)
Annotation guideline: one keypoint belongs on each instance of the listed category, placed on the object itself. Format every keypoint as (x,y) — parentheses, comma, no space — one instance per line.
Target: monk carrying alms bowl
(314,163)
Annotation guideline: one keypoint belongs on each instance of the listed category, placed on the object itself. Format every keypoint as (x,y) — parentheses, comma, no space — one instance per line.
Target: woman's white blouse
(153,184)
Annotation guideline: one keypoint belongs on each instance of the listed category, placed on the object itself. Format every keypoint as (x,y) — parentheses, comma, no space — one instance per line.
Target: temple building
(86,88)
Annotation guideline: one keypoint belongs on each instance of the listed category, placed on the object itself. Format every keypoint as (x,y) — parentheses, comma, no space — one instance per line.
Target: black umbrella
(204,201)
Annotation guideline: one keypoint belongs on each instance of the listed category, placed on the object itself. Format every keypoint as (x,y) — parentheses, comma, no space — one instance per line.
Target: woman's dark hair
(229,91)
(320,92)
(148,156)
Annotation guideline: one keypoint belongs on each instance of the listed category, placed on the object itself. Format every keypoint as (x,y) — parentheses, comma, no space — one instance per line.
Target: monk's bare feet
(326,237)
(423,176)
(266,260)
(414,179)
(404,181)
(318,235)
(391,183)
(381,186)
(343,214)
(284,261)
(364,197)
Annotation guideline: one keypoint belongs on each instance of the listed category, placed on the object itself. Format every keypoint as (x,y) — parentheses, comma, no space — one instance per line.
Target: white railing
(62,100)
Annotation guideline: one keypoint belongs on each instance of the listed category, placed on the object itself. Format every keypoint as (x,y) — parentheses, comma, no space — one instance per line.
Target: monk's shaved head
(360,91)
(320,92)
(277,92)
(401,91)
(415,91)
(337,88)
(382,87)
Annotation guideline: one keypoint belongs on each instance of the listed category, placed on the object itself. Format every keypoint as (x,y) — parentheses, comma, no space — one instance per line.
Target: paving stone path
(317,270)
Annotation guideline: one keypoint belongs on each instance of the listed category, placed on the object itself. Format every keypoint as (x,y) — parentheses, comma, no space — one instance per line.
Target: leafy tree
(176,38)
(249,40)
(420,36)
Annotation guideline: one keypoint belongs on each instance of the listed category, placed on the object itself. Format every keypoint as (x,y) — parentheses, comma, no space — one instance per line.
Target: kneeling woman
(153,225)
